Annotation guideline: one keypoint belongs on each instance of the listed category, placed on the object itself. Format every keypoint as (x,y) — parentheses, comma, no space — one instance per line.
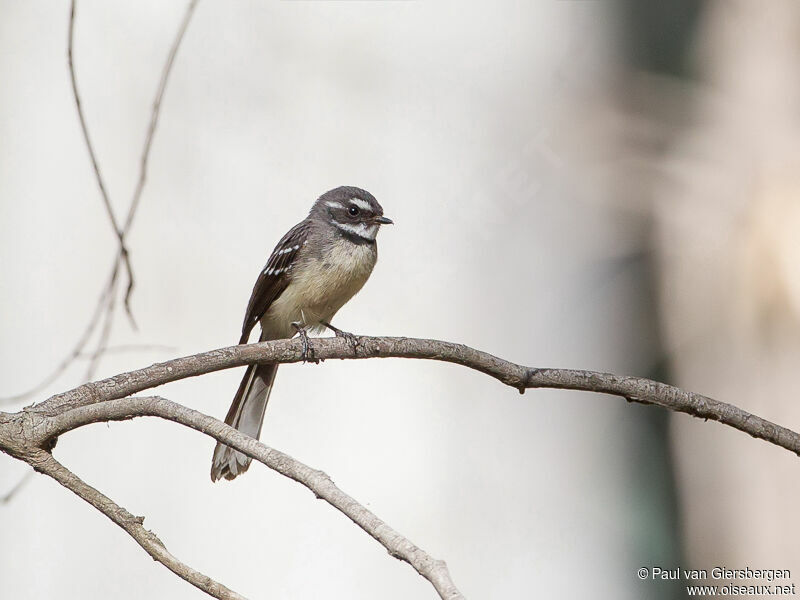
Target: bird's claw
(339,333)
(307,354)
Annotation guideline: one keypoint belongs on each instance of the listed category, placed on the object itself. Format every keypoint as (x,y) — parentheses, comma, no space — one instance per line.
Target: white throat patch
(362,230)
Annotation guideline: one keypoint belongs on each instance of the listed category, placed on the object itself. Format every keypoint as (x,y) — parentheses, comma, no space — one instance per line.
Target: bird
(319,264)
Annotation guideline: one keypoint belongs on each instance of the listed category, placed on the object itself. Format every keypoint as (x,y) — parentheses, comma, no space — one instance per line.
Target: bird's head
(352,210)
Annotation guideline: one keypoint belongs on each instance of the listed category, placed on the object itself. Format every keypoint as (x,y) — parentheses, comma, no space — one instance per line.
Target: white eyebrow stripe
(334,204)
(360,203)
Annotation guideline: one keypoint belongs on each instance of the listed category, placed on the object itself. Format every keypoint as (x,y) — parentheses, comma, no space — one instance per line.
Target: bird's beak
(384,220)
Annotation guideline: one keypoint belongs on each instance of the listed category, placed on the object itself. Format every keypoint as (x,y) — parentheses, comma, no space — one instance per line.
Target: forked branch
(29,434)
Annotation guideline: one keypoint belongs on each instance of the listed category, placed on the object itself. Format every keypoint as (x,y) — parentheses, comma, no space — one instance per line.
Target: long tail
(245,414)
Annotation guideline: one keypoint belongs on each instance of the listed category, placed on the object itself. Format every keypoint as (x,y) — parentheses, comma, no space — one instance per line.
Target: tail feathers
(247,415)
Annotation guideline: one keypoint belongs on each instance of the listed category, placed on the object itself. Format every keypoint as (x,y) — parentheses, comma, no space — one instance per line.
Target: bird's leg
(308,351)
(351,339)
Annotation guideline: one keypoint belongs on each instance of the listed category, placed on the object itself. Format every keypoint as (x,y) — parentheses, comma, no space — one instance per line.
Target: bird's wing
(274,277)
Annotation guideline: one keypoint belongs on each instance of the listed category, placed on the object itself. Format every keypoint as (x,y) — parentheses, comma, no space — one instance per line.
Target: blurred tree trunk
(656,41)
(730,297)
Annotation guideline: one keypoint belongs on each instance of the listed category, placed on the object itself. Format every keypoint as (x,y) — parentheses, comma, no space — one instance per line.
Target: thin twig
(123,250)
(84,129)
(151,129)
(634,389)
(44,462)
(104,304)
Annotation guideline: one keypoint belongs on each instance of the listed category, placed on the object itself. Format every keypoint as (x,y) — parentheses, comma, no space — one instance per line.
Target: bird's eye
(353,210)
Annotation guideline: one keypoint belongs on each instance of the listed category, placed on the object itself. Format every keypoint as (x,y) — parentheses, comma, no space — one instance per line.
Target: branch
(318,482)
(29,434)
(44,462)
(633,389)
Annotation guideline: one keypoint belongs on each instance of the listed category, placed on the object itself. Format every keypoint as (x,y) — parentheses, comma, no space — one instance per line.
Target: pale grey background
(461,119)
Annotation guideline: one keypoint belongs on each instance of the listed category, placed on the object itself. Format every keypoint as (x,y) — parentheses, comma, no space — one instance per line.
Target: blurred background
(601,185)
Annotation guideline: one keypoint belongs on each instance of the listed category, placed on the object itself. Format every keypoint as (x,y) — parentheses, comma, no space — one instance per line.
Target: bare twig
(106,303)
(44,462)
(151,129)
(123,249)
(84,129)
(634,389)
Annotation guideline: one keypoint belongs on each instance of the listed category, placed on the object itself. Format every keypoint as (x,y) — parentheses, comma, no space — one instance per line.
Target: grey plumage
(320,264)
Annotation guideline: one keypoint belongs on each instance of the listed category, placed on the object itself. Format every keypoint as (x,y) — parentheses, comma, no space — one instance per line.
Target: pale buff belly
(320,289)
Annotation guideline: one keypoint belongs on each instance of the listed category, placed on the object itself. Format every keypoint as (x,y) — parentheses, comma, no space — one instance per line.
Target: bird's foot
(351,339)
(307,355)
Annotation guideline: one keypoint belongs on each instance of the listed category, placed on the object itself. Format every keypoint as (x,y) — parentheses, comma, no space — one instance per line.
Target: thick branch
(318,482)
(44,462)
(634,389)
